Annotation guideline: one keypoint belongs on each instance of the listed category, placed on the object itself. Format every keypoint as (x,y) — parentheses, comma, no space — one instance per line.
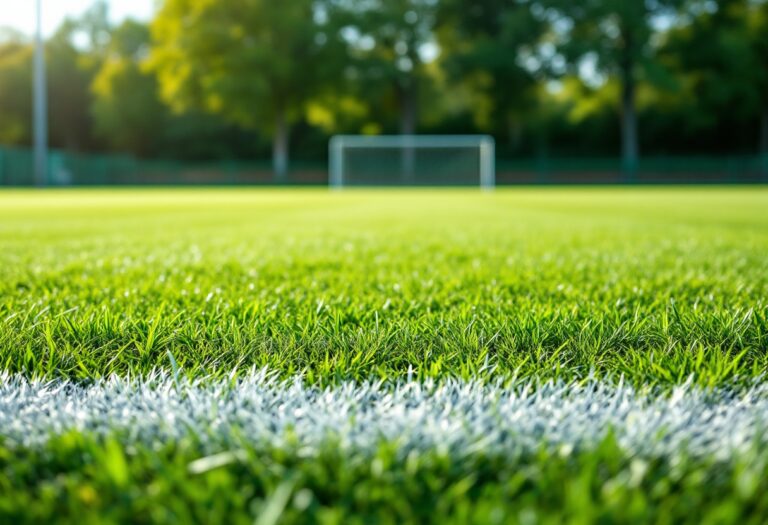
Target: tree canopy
(256,62)
(237,79)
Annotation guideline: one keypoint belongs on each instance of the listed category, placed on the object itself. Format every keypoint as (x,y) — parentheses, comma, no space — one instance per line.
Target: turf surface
(656,284)
(166,449)
(652,301)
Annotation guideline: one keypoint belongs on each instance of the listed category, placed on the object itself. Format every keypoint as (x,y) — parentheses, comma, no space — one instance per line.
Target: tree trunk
(515,130)
(408,109)
(408,116)
(764,131)
(280,148)
(764,142)
(629,140)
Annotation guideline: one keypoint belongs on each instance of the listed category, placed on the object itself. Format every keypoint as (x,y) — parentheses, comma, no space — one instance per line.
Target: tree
(616,36)
(15,90)
(386,41)
(70,73)
(482,43)
(721,57)
(255,62)
(126,108)
(757,31)
(95,26)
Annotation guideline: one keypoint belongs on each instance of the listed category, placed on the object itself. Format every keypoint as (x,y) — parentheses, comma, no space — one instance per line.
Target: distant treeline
(246,79)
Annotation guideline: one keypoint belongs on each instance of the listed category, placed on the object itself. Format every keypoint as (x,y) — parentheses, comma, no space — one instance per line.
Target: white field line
(453,417)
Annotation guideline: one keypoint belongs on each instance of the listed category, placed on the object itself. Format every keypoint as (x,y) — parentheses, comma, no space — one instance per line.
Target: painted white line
(454,417)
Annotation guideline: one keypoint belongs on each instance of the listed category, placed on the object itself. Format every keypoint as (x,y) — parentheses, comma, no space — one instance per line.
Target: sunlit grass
(647,308)
(655,284)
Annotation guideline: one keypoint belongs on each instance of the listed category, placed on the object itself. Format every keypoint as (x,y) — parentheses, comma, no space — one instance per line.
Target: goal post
(412,160)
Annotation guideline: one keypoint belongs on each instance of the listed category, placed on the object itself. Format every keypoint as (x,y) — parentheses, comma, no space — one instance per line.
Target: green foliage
(545,77)
(69,75)
(654,284)
(127,109)
(385,42)
(483,45)
(731,42)
(616,36)
(255,62)
(15,91)
(248,60)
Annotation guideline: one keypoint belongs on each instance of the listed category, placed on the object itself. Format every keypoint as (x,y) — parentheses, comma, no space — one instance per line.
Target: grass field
(531,355)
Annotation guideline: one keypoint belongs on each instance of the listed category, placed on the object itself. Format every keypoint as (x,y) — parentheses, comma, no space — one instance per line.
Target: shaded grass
(655,284)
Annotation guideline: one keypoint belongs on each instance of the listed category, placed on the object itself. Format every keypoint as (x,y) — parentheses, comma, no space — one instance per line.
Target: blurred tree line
(249,78)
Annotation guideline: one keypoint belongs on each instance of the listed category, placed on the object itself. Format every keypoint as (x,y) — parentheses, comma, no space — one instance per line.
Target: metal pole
(487,164)
(335,162)
(40,111)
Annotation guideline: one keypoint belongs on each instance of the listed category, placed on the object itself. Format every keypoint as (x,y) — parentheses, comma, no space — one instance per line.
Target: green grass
(659,285)
(82,480)
(655,284)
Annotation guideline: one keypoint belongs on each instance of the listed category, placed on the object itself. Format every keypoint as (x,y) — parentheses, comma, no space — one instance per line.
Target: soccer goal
(412,160)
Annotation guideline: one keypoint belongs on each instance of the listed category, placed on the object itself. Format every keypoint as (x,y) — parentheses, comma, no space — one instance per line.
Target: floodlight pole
(40,110)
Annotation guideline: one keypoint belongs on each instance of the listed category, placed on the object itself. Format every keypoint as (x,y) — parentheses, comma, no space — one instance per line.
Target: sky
(20,14)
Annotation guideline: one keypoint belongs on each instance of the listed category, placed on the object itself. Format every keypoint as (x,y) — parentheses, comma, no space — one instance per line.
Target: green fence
(650,170)
(72,169)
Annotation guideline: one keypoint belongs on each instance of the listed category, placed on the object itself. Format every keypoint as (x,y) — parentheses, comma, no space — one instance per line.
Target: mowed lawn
(526,355)
(656,284)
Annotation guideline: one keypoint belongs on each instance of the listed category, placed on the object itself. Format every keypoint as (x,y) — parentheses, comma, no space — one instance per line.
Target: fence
(72,169)
(650,170)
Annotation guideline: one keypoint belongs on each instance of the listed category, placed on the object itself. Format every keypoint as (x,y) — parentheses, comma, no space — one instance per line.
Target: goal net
(412,160)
